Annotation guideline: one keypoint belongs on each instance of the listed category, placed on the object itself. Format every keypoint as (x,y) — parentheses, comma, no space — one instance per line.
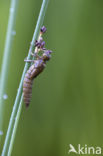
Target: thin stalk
(15,127)
(19,93)
(6,57)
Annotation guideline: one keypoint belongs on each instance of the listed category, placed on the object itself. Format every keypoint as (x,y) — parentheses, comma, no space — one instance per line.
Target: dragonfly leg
(32,54)
(28,60)
(37,56)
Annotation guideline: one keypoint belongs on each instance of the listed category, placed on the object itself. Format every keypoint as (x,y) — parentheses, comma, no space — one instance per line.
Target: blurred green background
(67,100)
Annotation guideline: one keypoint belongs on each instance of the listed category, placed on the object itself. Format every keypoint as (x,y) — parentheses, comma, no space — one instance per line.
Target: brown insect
(32,73)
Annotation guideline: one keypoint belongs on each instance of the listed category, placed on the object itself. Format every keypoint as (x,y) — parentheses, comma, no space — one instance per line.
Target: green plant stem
(15,107)
(6,57)
(15,126)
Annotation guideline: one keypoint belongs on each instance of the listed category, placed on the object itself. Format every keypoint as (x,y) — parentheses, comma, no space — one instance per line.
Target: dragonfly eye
(46,57)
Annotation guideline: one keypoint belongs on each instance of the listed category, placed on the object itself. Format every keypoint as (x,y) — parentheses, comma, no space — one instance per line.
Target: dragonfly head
(47,55)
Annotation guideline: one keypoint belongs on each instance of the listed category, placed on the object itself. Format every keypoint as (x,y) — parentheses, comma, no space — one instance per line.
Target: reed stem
(6,57)
(11,132)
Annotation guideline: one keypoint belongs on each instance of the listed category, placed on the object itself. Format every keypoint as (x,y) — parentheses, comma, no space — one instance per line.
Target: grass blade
(6,58)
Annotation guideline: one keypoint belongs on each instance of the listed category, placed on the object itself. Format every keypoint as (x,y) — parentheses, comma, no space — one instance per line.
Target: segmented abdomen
(27,88)
(28,82)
